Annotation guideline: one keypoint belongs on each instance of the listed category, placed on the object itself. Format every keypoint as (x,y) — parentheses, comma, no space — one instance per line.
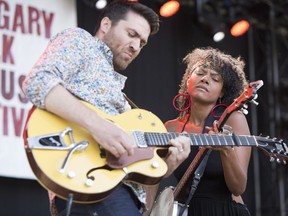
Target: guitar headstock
(277,149)
(249,95)
(240,103)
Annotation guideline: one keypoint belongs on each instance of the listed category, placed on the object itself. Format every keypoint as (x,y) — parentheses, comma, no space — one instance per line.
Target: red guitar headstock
(240,103)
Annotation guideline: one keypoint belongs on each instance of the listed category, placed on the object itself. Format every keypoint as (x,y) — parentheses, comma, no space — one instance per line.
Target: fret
(200,137)
(149,139)
(222,140)
(256,143)
(152,140)
(218,139)
(250,140)
(193,139)
(231,140)
(205,137)
(165,138)
(226,141)
(247,138)
(157,139)
(242,141)
(212,140)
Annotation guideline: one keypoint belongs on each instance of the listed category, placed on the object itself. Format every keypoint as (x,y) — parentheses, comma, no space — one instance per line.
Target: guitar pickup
(53,141)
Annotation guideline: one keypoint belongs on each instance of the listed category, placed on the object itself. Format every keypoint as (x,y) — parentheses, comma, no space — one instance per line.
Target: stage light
(210,20)
(219,36)
(100,4)
(214,27)
(169,8)
(239,28)
(217,30)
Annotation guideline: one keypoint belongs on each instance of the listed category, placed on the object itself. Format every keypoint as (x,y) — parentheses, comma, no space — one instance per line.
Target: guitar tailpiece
(53,141)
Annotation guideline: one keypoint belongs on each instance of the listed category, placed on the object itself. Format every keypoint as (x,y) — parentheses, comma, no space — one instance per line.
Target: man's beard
(120,65)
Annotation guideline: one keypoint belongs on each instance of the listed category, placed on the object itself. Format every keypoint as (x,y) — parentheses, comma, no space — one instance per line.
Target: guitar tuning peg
(272,159)
(278,160)
(255,97)
(255,102)
(245,106)
(244,111)
(284,162)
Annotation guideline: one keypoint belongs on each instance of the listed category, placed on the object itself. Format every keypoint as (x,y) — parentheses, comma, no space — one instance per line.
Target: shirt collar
(109,56)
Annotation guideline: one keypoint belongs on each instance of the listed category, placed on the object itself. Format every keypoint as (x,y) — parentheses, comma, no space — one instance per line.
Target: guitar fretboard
(161,139)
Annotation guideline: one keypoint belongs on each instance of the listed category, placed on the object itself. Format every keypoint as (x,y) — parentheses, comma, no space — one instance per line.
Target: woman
(212,81)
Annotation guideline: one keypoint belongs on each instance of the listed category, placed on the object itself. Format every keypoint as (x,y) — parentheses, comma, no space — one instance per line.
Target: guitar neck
(161,139)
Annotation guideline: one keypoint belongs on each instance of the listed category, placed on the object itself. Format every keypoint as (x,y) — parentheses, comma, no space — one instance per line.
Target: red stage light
(169,8)
(239,28)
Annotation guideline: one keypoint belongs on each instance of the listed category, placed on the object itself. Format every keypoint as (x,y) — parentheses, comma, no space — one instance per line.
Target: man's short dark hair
(117,10)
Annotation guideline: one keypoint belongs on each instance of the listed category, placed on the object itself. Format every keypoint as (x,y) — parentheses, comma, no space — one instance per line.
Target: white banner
(25,29)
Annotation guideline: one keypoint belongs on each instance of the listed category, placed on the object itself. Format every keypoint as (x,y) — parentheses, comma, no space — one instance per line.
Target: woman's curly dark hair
(231,69)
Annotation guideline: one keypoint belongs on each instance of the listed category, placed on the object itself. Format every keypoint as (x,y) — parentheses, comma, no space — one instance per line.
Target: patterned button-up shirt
(83,65)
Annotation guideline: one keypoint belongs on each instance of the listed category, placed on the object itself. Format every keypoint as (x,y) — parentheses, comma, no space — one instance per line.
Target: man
(76,66)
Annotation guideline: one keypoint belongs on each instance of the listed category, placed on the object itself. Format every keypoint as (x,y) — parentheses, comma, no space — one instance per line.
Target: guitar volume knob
(89,182)
(71,174)
(155,164)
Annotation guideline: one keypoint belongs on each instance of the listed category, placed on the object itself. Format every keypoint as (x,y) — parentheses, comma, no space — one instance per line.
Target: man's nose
(135,45)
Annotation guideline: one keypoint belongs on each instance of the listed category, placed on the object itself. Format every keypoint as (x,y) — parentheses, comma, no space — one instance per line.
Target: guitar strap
(196,179)
(133,105)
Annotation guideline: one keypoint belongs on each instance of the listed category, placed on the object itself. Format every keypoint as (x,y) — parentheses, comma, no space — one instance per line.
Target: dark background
(155,75)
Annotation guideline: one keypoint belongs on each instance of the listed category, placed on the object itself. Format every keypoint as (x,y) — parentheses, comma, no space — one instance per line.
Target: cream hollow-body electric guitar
(66,159)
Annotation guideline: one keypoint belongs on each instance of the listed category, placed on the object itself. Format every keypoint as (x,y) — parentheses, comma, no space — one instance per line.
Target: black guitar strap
(197,176)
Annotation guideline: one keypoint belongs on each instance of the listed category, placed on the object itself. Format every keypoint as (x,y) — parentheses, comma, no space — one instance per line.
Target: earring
(185,100)
(220,104)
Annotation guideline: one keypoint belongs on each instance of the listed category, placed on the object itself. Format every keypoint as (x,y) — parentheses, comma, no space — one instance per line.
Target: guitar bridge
(53,141)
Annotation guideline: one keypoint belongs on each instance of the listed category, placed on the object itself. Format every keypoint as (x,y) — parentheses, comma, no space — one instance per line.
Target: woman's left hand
(226,130)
